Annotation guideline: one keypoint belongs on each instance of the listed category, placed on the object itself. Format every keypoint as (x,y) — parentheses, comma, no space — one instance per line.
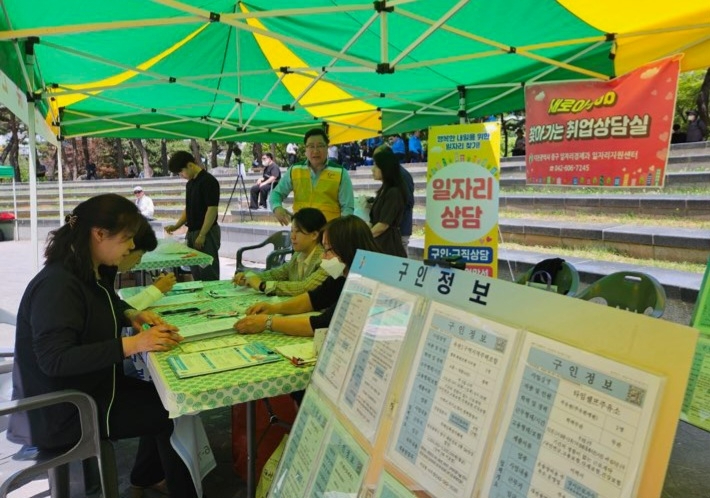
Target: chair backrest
(633,291)
(552,274)
(14,470)
(280,240)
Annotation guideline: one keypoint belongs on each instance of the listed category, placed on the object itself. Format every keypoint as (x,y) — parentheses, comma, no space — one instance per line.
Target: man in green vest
(317,183)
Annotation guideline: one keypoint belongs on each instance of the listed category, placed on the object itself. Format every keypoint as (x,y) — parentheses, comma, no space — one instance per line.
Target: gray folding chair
(20,464)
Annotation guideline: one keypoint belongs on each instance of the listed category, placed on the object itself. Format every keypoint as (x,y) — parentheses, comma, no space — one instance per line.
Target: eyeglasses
(316,146)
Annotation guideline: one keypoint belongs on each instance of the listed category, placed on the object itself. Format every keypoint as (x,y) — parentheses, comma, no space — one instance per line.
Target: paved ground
(688,474)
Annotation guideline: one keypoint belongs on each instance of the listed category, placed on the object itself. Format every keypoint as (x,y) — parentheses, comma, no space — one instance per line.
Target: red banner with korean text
(602,133)
(463,176)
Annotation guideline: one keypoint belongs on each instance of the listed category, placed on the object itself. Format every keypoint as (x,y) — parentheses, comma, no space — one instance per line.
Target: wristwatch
(262,287)
(269,320)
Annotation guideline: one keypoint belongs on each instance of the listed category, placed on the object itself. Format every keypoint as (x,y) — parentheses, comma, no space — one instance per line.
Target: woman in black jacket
(68,336)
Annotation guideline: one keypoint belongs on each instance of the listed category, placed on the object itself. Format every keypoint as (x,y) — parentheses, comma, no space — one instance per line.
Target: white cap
(137,188)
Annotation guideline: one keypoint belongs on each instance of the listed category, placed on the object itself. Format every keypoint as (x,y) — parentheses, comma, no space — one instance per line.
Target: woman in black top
(68,336)
(390,202)
(342,237)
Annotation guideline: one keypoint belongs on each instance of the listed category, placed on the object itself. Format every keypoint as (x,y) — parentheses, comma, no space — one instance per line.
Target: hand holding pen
(162,337)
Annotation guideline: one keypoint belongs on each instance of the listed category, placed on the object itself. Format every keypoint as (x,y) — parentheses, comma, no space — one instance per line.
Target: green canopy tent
(8,173)
(267,70)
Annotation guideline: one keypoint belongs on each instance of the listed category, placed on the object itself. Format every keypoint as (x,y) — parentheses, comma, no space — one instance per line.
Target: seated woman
(389,205)
(68,336)
(342,237)
(303,272)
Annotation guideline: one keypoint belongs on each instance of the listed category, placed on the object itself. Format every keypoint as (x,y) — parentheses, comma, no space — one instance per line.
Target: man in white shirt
(291,151)
(144,203)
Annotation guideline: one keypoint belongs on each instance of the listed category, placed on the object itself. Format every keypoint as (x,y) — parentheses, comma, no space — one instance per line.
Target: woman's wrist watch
(269,321)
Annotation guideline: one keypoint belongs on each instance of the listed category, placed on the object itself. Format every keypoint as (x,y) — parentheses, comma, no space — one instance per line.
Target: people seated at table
(342,237)
(68,336)
(302,272)
(145,241)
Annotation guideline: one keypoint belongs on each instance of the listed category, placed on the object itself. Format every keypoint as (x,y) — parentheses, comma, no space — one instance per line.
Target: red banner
(602,133)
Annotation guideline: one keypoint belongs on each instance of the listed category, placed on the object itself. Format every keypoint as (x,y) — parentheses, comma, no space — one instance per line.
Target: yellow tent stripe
(365,115)
(67,100)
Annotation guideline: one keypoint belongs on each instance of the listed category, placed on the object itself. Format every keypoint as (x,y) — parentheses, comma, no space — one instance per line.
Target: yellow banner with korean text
(463,185)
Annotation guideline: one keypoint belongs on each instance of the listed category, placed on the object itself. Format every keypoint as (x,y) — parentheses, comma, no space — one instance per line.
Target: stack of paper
(209,328)
(299,354)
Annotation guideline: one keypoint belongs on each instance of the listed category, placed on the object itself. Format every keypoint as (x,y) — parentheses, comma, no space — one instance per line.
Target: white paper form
(577,424)
(451,398)
(370,375)
(389,487)
(302,449)
(341,469)
(343,336)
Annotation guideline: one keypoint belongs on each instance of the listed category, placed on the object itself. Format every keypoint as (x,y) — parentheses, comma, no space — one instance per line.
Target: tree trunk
(196,151)
(703,97)
(85,151)
(118,154)
(164,156)
(256,152)
(147,170)
(505,134)
(228,155)
(54,163)
(213,155)
(14,158)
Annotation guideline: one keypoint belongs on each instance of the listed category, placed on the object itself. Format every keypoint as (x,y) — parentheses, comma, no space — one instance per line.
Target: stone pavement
(687,475)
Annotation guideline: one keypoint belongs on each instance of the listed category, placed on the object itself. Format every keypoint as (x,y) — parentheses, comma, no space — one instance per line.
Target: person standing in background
(292,153)
(389,204)
(397,145)
(317,183)
(200,212)
(144,203)
(415,148)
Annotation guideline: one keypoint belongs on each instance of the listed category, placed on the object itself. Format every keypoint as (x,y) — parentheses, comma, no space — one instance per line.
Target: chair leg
(109,472)
(59,481)
(92,476)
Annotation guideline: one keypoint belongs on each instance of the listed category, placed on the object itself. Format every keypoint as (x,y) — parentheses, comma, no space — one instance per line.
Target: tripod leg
(226,210)
(246,196)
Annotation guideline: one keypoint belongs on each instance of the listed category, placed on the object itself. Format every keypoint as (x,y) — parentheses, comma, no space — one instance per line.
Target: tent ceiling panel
(270,69)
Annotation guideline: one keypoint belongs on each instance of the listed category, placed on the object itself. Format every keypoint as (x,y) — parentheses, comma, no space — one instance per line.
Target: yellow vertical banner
(463,185)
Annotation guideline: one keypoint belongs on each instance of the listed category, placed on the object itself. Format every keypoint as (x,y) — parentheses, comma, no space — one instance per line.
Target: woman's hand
(261,308)
(252,324)
(146,317)
(161,337)
(239,278)
(165,282)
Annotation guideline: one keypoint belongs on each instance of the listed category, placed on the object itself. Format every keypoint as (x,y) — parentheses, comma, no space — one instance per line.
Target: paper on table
(219,360)
(298,354)
(224,341)
(209,328)
(187,286)
(183,298)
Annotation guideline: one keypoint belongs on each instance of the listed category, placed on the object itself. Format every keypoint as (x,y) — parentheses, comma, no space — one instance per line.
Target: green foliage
(688,89)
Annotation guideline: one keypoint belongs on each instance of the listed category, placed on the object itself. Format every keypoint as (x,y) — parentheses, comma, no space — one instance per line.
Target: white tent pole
(14,202)
(34,237)
(60,180)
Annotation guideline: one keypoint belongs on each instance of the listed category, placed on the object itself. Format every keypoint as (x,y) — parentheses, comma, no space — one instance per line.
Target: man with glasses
(269,179)
(317,183)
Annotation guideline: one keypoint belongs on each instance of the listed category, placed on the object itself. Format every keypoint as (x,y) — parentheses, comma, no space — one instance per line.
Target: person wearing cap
(144,203)
(697,129)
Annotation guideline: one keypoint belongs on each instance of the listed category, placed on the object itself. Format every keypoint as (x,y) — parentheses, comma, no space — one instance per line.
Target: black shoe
(254,208)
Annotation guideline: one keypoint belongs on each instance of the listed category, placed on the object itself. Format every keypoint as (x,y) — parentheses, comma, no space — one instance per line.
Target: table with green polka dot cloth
(195,394)
(204,392)
(170,254)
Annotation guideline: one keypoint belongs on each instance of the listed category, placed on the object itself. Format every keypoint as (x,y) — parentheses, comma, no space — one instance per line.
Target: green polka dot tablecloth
(170,254)
(196,394)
